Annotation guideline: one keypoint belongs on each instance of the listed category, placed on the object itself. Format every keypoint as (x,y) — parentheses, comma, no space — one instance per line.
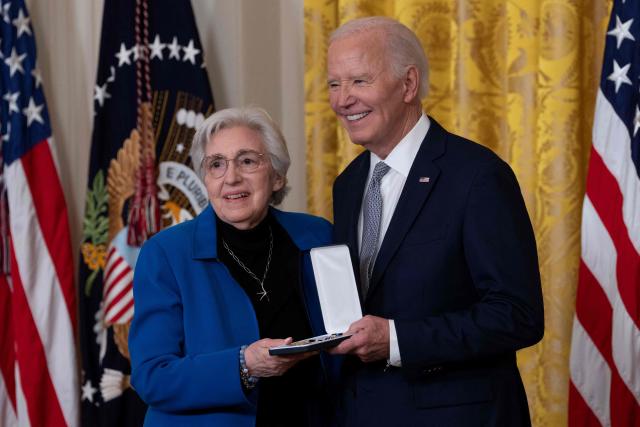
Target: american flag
(605,348)
(38,371)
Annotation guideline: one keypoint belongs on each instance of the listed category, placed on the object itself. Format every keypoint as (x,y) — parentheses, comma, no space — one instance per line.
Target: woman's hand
(261,364)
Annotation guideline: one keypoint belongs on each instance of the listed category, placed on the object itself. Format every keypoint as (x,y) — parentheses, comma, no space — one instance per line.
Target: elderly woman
(213,294)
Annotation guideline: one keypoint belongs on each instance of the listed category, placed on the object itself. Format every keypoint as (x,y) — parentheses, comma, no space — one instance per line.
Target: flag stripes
(7,407)
(593,384)
(39,167)
(21,402)
(7,357)
(118,288)
(612,329)
(35,376)
(608,207)
(48,374)
(579,410)
(611,140)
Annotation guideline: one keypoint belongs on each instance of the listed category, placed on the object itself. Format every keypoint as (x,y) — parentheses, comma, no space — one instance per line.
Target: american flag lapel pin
(423,179)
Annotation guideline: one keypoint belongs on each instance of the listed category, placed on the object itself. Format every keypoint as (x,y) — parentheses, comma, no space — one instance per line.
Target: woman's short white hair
(403,46)
(253,118)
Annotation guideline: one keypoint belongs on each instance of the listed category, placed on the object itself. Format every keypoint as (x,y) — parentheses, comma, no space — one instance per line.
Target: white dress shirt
(400,160)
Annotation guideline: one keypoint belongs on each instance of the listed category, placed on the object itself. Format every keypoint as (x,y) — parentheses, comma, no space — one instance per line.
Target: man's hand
(370,340)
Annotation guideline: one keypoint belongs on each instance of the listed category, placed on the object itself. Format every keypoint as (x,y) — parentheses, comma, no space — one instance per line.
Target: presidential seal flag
(38,370)
(151,94)
(605,348)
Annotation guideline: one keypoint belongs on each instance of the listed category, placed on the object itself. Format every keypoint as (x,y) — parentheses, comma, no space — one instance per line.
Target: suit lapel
(354,203)
(347,205)
(422,178)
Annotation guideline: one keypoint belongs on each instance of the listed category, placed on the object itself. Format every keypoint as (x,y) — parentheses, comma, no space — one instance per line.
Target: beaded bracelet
(248,381)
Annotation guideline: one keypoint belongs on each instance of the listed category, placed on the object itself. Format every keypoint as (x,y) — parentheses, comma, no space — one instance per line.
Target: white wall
(254,51)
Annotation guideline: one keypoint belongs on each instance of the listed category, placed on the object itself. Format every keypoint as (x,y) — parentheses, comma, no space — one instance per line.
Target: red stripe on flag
(118,316)
(604,192)
(580,414)
(623,405)
(42,402)
(594,312)
(112,267)
(110,284)
(7,349)
(48,200)
(126,290)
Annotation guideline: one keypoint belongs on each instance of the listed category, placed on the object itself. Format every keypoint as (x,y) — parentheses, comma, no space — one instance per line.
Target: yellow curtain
(519,77)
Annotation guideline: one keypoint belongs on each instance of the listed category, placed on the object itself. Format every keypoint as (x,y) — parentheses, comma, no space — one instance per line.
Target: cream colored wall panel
(220,26)
(292,98)
(67,39)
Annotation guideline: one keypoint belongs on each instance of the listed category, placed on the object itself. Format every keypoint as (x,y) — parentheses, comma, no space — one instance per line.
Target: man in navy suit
(447,259)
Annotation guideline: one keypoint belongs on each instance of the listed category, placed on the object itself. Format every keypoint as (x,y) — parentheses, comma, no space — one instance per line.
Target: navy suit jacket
(458,272)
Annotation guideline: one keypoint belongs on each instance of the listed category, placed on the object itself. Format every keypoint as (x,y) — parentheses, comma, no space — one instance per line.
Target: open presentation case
(338,295)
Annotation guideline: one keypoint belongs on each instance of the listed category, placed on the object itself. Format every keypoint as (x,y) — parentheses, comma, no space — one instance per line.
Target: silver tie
(372,214)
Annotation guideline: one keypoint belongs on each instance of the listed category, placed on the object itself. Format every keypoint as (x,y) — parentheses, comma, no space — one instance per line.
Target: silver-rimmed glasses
(247,161)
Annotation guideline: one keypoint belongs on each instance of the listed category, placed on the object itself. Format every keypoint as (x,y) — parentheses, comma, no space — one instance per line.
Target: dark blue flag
(151,93)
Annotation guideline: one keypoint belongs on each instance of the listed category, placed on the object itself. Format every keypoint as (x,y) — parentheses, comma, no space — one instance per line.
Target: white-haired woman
(213,294)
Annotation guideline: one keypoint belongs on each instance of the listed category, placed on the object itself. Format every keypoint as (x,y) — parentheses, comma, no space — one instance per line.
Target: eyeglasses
(216,165)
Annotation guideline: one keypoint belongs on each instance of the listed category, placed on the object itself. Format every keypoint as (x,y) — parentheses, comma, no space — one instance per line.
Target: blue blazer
(191,317)
(458,272)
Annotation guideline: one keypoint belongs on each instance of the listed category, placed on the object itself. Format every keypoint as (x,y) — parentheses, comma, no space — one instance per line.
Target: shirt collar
(402,156)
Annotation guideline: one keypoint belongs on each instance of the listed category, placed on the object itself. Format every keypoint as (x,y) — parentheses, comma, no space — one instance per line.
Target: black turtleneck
(280,315)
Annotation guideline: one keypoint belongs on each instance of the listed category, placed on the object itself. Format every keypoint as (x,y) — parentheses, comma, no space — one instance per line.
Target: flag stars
(136,52)
(174,49)
(156,48)
(22,24)
(124,55)
(12,99)
(190,53)
(5,12)
(112,75)
(636,121)
(88,390)
(100,94)
(129,56)
(7,135)
(37,77)
(15,62)
(619,75)
(621,32)
(33,112)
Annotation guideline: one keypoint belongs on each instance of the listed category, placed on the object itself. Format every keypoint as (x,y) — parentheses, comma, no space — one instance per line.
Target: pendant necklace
(263,292)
